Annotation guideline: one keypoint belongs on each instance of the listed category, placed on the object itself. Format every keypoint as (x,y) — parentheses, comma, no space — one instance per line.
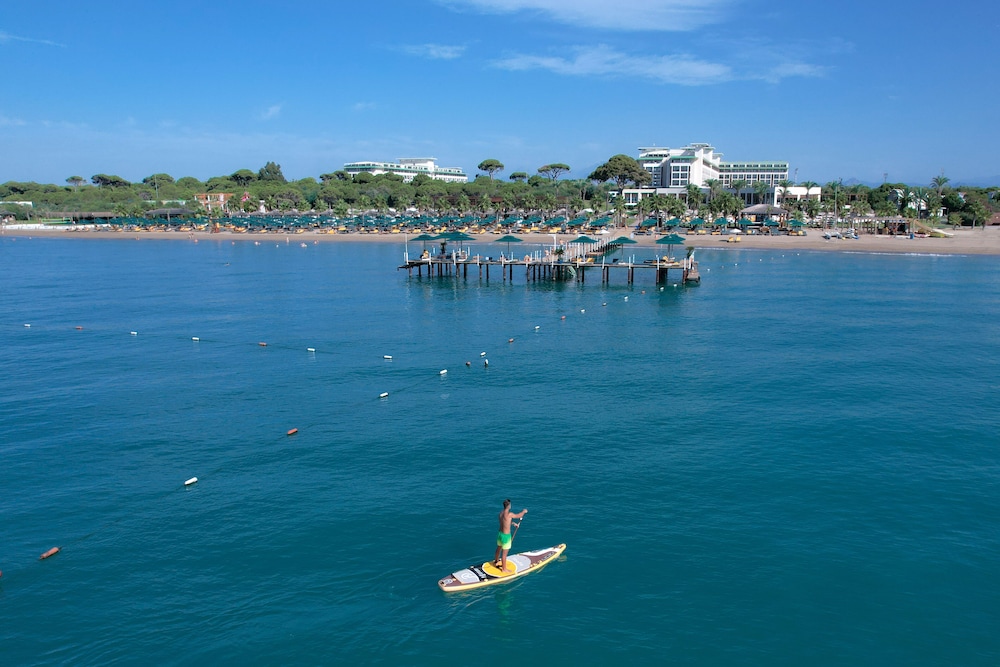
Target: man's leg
(496,556)
(503,567)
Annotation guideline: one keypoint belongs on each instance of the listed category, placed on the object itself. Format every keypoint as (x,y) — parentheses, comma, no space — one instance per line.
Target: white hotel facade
(408,168)
(674,169)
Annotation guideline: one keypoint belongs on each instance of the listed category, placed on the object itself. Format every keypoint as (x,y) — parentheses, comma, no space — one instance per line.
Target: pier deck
(458,266)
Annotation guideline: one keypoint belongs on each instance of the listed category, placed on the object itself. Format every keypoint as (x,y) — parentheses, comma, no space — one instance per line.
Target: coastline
(964,242)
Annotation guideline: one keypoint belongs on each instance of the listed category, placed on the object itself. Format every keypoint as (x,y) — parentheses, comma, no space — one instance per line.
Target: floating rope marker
(486,362)
(583,310)
(482,354)
(444,372)
(537,327)
(195,338)
(468,363)
(387,357)
(133,333)
(626,298)
(262,344)
(510,340)
(383,394)
(79,328)
(27,326)
(293,431)
(193,480)
(605,303)
(563,317)
(50,553)
(310,349)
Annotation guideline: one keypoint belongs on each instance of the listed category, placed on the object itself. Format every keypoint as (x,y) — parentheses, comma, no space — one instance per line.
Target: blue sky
(839,90)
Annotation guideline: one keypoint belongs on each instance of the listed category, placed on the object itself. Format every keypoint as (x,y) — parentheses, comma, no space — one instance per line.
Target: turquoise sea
(796,462)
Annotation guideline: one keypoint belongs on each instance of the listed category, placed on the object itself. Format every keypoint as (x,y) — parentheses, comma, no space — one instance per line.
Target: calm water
(794,463)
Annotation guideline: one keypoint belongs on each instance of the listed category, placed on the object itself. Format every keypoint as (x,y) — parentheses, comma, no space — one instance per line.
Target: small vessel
(486,574)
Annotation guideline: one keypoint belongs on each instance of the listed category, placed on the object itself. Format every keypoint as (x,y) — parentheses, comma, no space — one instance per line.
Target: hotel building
(673,169)
(408,168)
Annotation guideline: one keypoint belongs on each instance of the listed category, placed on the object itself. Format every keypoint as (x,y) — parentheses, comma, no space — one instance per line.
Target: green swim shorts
(503,540)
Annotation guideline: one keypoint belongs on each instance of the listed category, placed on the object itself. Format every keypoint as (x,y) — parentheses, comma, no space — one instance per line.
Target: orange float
(293,431)
(50,553)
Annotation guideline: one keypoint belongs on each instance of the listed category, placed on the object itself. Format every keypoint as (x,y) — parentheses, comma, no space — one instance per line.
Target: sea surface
(795,463)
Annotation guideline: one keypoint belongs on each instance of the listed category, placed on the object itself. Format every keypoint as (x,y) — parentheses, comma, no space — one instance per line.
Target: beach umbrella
(585,239)
(508,240)
(743,222)
(770,222)
(673,222)
(721,222)
(621,242)
(795,223)
(670,240)
(697,222)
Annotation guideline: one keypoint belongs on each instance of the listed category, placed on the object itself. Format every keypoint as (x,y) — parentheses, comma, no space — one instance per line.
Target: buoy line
(441,375)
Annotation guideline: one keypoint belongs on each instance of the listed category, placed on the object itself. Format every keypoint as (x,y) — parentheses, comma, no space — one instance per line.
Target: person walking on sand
(503,537)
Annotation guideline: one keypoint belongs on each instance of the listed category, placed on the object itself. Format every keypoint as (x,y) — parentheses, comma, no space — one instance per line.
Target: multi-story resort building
(408,168)
(673,169)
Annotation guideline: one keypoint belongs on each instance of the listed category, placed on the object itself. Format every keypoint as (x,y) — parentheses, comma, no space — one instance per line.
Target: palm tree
(738,185)
(761,189)
(714,187)
(784,184)
(693,197)
(938,183)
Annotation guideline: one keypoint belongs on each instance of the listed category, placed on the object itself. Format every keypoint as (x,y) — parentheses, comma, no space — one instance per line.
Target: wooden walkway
(458,265)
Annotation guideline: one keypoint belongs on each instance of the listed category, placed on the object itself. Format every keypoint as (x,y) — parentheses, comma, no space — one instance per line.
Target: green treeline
(544,192)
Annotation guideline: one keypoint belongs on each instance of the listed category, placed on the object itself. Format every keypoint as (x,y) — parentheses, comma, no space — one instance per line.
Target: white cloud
(7,121)
(786,70)
(363,106)
(678,69)
(6,37)
(271,112)
(653,15)
(434,51)
(605,61)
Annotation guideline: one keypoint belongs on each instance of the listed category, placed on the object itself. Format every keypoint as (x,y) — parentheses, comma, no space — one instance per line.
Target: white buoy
(310,349)
(387,357)
(133,333)
(191,481)
(27,326)
(583,310)
(195,338)
(444,372)
(486,362)
(383,394)
(626,298)
(482,354)
(537,327)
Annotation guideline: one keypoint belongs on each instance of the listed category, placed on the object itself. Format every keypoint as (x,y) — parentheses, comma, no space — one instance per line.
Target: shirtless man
(504,537)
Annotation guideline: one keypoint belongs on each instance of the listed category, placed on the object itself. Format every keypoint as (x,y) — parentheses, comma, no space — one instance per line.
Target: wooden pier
(459,265)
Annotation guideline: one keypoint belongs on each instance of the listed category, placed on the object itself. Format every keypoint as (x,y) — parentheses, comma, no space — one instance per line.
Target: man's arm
(521,513)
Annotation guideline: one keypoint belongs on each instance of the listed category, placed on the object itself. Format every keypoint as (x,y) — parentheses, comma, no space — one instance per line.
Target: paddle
(516,526)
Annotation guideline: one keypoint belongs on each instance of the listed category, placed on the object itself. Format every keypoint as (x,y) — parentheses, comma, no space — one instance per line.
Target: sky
(866,91)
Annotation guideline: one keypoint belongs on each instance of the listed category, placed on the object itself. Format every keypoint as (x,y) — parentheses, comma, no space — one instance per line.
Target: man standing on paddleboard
(503,537)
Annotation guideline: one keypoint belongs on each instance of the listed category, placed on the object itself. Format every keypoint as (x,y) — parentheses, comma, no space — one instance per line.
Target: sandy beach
(963,242)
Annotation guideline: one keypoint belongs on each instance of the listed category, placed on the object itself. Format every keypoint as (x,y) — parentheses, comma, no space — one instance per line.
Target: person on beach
(503,537)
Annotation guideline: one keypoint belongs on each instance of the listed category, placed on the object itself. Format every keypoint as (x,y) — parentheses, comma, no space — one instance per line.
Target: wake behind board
(486,574)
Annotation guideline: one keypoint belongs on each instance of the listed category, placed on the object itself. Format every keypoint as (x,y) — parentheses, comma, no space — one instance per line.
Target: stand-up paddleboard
(486,574)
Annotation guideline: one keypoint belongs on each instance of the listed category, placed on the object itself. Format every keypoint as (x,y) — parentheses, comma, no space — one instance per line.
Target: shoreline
(964,242)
